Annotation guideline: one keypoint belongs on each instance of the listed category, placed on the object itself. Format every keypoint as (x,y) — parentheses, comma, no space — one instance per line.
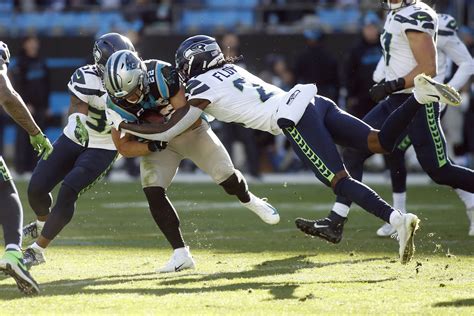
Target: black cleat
(323,228)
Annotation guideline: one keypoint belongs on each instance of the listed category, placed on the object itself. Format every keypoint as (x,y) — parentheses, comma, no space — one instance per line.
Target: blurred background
(334,43)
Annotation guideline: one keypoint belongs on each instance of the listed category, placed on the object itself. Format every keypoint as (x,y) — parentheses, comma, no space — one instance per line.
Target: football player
(152,86)
(312,123)
(409,48)
(11,211)
(449,46)
(83,154)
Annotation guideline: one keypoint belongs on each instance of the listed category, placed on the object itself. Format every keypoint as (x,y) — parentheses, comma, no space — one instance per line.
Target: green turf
(104,261)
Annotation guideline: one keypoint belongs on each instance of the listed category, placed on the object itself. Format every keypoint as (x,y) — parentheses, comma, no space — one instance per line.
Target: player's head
(108,44)
(196,55)
(396,4)
(125,77)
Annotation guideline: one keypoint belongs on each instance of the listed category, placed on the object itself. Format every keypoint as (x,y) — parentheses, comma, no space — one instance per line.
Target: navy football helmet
(388,5)
(108,44)
(196,55)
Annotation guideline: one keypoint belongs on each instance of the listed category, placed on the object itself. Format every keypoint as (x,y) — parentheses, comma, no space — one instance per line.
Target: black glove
(380,91)
(157,145)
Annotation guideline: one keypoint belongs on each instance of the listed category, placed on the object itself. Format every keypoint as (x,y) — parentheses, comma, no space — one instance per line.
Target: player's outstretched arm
(180,121)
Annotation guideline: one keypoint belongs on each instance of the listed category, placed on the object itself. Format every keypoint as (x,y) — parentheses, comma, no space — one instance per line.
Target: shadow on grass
(174,284)
(456,303)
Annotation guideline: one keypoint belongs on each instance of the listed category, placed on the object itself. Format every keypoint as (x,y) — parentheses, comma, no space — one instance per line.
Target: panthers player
(11,211)
(408,43)
(312,123)
(449,46)
(83,154)
(153,85)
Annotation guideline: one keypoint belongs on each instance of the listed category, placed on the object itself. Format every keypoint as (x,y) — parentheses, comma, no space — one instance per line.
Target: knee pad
(235,184)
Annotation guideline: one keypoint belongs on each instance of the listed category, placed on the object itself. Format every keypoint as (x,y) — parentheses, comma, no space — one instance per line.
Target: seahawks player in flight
(137,88)
(11,211)
(449,46)
(83,154)
(312,123)
(408,43)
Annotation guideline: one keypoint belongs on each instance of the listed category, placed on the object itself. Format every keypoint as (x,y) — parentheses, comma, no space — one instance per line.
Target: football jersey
(398,56)
(163,83)
(86,85)
(235,95)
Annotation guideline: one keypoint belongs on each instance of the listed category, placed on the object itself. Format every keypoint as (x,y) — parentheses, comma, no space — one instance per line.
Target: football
(151,116)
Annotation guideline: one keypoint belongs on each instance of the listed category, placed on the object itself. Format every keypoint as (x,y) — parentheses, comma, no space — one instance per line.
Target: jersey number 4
(240,83)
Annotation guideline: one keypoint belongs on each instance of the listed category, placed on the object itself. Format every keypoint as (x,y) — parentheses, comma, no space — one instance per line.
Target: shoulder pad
(86,81)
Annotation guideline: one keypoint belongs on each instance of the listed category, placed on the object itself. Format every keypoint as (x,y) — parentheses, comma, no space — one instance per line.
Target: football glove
(4,53)
(381,90)
(41,145)
(157,145)
(81,133)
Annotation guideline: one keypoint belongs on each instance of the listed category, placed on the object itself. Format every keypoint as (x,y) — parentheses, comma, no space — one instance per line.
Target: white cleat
(470,215)
(180,260)
(428,91)
(386,230)
(406,229)
(33,257)
(471,230)
(263,209)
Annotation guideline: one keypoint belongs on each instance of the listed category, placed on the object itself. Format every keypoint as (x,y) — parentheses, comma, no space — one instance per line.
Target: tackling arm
(128,146)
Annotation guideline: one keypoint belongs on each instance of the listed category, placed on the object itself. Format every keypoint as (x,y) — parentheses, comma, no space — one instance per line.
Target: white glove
(114,119)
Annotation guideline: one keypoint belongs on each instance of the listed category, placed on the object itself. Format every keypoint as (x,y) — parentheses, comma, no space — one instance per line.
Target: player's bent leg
(46,175)
(205,149)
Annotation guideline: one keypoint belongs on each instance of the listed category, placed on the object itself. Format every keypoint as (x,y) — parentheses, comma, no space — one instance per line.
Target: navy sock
(397,122)
(62,212)
(364,196)
(11,212)
(398,171)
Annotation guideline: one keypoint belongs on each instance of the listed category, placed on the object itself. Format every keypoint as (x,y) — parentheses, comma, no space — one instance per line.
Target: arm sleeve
(459,54)
(148,132)
(379,72)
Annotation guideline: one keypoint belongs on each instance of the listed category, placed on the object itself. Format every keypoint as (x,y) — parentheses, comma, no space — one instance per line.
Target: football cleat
(428,91)
(263,209)
(31,232)
(406,229)
(180,260)
(33,257)
(324,228)
(386,230)
(470,215)
(12,264)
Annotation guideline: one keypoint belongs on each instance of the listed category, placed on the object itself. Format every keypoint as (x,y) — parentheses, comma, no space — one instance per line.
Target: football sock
(397,122)
(399,201)
(354,163)
(62,212)
(165,215)
(466,197)
(364,196)
(37,247)
(341,209)
(395,219)
(11,212)
(236,185)
(12,247)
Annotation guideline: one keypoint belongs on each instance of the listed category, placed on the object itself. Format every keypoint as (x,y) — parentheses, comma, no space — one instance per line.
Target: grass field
(104,261)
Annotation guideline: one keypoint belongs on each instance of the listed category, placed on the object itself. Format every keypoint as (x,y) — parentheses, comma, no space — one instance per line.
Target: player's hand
(114,119)
(81,133)
(157,145)
(41,145)
(4,53)
(380,91)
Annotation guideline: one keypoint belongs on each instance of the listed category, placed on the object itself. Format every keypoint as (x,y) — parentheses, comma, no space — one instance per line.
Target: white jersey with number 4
(237,96)
(398,56)
(86,85)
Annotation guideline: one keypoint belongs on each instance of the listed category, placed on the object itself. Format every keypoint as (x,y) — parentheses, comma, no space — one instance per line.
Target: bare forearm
(427,69)
(133,148)
(16,108)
